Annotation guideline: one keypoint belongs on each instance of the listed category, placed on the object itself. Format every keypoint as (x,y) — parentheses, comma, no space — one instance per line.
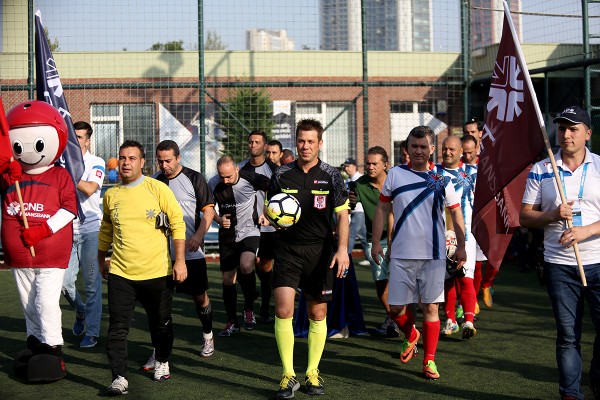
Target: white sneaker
(364,263)
(118,386)
(149,366)
(343,334)
(468,330)
(161,371)
(208,348)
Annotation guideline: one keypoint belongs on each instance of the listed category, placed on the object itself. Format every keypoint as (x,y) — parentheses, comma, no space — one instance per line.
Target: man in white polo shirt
(85,245)
(579,174)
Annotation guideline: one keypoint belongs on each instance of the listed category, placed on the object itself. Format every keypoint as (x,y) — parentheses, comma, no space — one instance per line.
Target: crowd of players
(431,202)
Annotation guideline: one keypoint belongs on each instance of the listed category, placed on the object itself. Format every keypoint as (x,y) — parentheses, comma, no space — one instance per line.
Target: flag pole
(22,206)
(538,113)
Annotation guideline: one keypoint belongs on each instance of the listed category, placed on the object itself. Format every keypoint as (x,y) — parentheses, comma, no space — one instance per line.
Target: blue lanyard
(583,174)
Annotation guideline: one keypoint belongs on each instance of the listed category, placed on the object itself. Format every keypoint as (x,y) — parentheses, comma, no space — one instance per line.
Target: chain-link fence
(207,73)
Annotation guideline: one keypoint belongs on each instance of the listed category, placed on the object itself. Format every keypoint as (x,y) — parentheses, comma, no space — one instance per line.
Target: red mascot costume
(38,136)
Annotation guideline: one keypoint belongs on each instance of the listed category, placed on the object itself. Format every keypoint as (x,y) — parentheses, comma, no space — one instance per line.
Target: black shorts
(230,252)
(266,249)
(196,282)
(304,266)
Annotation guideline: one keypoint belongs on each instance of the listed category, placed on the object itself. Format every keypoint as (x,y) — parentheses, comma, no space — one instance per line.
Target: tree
(247,109)
(53,44)
(214,42)
(175,45)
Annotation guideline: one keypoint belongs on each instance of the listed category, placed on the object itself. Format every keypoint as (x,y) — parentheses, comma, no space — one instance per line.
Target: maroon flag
(5,147)
(512,139)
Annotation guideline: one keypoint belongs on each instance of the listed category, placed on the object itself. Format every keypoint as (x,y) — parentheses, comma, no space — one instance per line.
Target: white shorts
(480,256)
(469,266)
(416,281)
(471,249)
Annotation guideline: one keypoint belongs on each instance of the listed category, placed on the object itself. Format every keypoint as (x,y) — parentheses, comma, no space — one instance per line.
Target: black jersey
(321,192)
(239,200)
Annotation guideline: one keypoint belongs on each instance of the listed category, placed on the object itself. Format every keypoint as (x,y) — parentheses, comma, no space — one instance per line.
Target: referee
(306,253)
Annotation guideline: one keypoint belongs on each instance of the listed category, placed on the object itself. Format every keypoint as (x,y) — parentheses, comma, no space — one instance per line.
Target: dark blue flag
(49,89)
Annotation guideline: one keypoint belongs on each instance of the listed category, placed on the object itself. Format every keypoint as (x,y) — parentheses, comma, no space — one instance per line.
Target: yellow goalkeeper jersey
(140,250)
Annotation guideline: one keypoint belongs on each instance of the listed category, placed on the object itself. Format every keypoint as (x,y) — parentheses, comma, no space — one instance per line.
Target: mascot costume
(37,251)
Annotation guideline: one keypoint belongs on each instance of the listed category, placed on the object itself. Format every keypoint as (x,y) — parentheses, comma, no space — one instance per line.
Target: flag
(5,147)
(512,139)
(49,89)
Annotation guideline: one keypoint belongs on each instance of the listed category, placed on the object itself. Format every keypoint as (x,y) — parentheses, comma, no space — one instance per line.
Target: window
(339,121)
(115,123)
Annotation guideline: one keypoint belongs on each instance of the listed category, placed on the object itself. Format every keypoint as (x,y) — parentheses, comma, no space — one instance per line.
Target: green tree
(53,44)
(213,41)
(246,110)
(175,45)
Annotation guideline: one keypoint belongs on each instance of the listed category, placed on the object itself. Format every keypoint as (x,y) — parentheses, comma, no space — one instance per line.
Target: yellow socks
(284,334)
(317,335)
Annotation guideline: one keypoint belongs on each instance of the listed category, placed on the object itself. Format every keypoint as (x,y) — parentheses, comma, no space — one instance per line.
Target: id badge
(577,221)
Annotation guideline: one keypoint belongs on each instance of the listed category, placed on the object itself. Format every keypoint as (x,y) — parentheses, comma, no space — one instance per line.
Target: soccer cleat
(118,386)
(88,341)
(149,366)
(468,330)
(208,348)
(409,348)
(450,328)
(364,263)
(249,320)
(459,312)
(487,297)
(287,387)
(161,371)
(314,383)
(79,326)
(430,370)
(229,329)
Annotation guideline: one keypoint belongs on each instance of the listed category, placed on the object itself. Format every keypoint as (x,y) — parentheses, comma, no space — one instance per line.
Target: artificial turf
(511,357)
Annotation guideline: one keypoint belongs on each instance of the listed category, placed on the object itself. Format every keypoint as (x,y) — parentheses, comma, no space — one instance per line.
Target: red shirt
(43,195)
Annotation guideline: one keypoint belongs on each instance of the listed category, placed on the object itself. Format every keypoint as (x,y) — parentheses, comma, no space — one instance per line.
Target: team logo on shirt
(150,214)
(435,182)
(464,180)
(99,173)
(320,201)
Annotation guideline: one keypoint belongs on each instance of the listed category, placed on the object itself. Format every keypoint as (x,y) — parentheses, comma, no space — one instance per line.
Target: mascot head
(38,135)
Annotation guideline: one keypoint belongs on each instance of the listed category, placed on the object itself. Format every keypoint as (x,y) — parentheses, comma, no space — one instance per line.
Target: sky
(134,25)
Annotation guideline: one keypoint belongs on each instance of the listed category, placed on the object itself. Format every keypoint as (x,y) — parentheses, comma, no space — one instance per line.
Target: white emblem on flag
(506,91)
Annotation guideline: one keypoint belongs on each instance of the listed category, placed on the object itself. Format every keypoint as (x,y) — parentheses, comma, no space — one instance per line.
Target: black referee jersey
(321,192)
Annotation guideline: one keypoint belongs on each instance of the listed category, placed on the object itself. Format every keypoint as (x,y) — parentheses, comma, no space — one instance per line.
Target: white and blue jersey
(463,179)
(581,186)
(418,201)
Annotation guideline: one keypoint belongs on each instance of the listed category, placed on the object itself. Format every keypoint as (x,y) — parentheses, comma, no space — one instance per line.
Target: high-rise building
(487,17)
(404,25)
(268,40)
